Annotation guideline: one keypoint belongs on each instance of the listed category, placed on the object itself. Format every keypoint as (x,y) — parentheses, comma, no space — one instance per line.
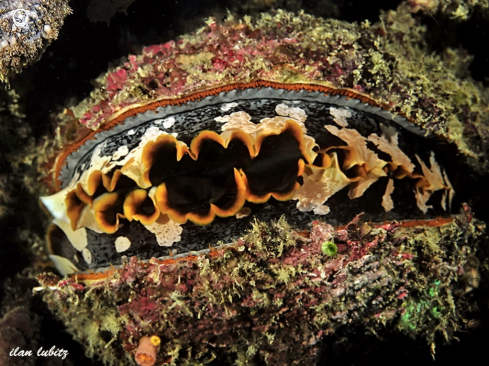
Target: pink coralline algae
(115,81)
(273,295)
(297,48)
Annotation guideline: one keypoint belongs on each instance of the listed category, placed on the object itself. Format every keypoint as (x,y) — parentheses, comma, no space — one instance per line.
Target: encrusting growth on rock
(273,295)
(27,27)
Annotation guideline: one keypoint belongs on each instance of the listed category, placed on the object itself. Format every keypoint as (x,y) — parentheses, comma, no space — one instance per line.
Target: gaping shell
(190,141)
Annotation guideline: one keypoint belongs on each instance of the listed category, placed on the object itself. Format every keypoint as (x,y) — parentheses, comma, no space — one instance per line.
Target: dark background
(85,49)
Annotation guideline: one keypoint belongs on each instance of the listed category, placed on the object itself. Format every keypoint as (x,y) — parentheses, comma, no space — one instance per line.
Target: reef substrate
(456,9)
(27,27)
(274,295)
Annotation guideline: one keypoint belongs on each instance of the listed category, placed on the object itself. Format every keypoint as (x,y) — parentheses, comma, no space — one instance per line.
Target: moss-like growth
(456,9)
(272,296)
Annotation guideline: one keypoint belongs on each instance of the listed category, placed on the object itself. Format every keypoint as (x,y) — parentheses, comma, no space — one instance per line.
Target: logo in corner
(20,18)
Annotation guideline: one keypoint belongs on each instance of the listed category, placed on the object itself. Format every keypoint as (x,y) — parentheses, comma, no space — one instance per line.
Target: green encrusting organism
(418,311)
(329,248)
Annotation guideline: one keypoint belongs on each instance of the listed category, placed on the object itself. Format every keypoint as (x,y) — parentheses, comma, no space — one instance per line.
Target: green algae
(329,248)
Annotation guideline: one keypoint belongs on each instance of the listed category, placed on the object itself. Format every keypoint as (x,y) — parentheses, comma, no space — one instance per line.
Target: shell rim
(344,97)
